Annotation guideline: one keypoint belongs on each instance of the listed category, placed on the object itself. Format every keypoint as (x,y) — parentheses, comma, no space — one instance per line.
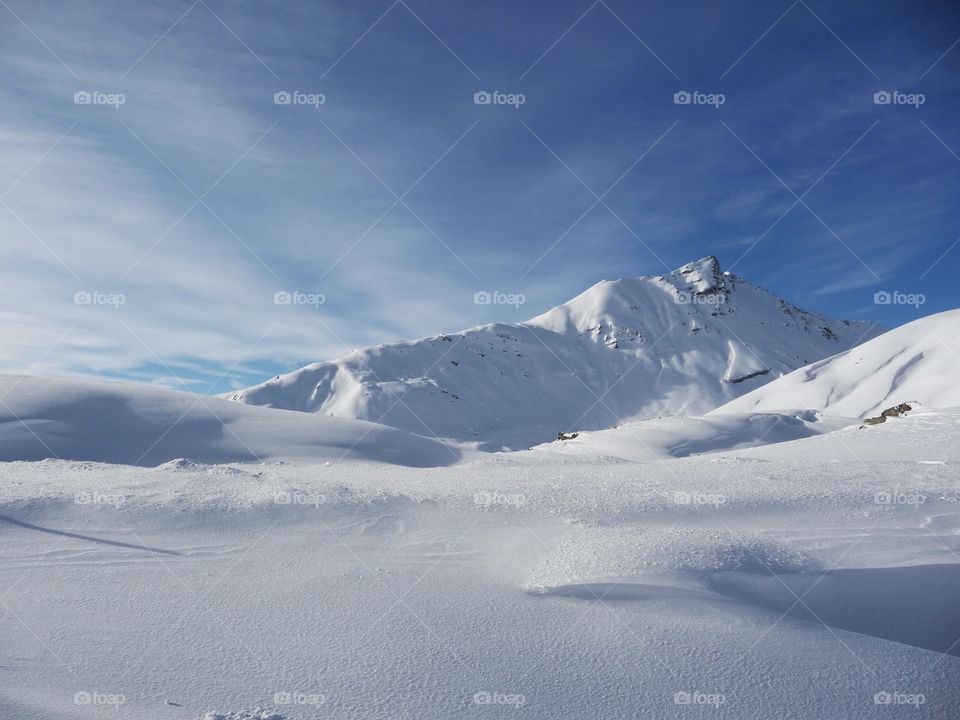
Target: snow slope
(679,344)
(512,586)
(917,362)
(141,425)
(922,436)
(675,437)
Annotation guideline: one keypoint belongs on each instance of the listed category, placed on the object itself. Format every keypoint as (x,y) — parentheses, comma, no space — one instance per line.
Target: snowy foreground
(815,578)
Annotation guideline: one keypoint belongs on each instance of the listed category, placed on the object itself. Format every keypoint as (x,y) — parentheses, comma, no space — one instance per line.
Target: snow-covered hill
(678,344)
(43,418)
(917,362)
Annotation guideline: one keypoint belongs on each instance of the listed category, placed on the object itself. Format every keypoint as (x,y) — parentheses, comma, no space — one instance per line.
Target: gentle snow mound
(664,438)
(44,418)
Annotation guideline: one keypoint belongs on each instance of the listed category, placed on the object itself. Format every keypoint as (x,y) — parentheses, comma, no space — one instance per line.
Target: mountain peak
(703,275)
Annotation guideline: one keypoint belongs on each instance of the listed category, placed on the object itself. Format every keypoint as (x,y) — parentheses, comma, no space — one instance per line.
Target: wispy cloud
(198,198)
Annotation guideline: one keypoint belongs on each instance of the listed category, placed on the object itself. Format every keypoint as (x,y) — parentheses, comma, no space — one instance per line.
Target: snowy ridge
(677,344)
(917,362)
(44,418)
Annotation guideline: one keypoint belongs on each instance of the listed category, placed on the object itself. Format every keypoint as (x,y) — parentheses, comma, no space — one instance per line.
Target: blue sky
(199,198)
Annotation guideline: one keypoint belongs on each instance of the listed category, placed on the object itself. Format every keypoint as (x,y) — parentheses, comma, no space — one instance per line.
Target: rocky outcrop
(895,411)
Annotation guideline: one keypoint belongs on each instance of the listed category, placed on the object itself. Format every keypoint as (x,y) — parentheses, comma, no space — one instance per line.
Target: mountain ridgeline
(676,344)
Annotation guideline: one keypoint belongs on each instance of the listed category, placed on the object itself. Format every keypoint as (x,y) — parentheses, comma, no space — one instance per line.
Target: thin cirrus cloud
(397,198)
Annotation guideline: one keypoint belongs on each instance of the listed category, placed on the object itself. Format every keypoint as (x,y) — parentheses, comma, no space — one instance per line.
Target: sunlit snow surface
(816,578)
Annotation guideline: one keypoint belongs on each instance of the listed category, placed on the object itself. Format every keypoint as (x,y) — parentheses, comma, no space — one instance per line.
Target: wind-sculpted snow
(139,425)
(916,363)
(675,437)
(678,344)
(822,586)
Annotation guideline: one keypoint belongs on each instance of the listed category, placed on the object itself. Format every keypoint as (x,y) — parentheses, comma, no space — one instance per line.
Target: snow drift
(917,362)
(137,425)
(661,439)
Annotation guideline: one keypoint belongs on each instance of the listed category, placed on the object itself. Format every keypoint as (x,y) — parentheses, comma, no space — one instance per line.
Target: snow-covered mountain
(917,362)
(681,343)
